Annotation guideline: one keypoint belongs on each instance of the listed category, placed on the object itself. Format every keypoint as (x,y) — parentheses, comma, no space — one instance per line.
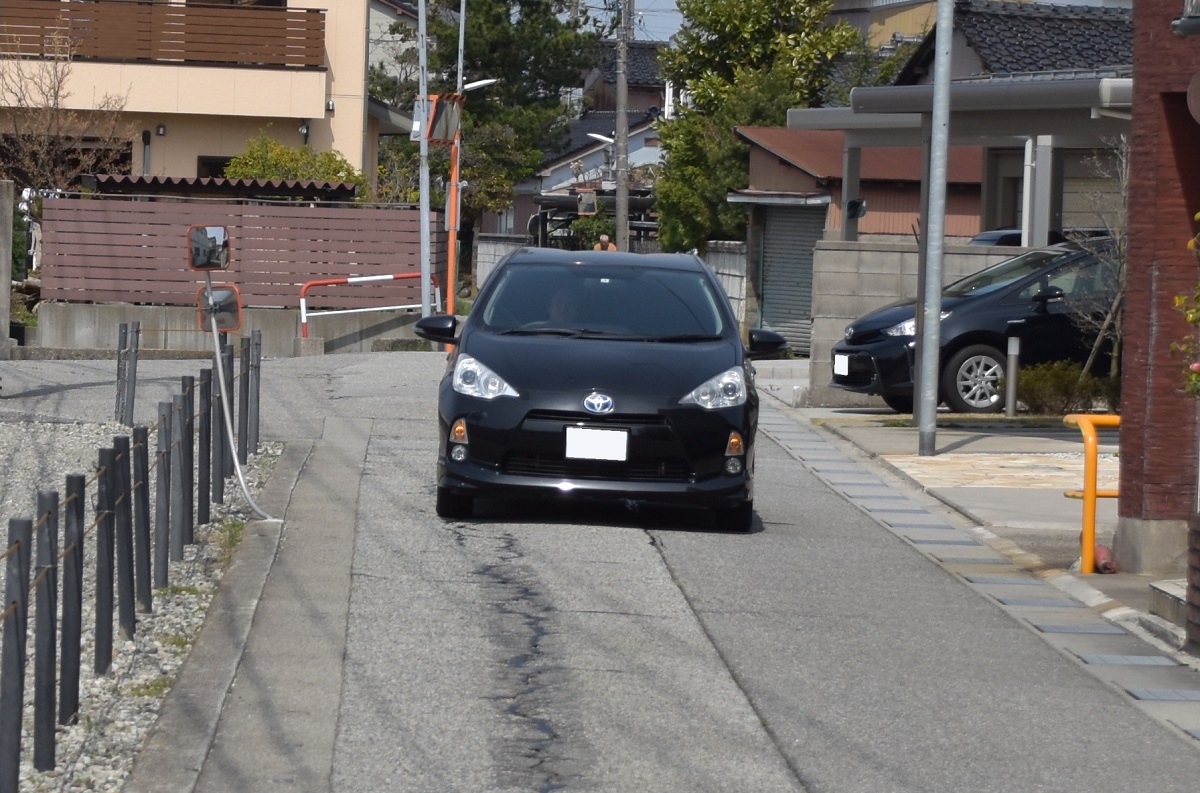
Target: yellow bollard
(1087,538)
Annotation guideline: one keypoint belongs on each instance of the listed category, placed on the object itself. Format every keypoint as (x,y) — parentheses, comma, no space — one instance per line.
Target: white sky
(654,20)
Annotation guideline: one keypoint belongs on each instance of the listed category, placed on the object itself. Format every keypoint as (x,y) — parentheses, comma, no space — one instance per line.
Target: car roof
(674,261)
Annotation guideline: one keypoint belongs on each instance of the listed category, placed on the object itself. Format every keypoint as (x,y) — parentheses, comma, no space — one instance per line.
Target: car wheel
(452,505)
(971,380)
(900,404)
(739,518)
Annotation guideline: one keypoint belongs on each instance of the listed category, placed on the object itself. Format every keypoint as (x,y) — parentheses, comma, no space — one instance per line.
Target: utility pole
(422,118)
(622,133)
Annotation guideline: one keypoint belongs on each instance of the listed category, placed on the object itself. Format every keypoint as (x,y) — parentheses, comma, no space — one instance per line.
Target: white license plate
(585,443)
(841,365)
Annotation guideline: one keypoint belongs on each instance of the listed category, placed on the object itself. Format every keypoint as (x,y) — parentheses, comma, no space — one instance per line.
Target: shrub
(1057,388)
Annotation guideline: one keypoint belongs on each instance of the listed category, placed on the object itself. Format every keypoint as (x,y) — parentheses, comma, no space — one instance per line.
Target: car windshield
(1009,271)
(604,301)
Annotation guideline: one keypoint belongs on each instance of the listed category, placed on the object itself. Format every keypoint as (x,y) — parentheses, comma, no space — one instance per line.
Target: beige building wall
(213,111)
(908,21)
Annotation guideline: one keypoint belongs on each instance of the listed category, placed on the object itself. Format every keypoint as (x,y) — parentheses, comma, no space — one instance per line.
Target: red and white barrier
(436,298)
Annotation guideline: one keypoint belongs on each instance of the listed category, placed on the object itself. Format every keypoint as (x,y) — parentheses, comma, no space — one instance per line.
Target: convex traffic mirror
(221,303)
(208,247)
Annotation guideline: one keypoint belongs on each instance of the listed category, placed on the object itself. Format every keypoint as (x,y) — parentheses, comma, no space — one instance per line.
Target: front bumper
(674,456)
(882,367)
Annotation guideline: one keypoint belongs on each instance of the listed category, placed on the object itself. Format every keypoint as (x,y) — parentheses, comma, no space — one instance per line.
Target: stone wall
(853,278)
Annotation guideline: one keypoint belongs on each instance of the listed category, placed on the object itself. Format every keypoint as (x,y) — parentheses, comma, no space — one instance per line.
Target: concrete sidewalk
(1007,477)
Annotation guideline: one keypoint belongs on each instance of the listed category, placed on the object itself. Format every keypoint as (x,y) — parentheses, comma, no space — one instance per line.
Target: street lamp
(454,195)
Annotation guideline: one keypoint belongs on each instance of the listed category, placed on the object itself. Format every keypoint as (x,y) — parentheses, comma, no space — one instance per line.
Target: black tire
(971,380)
(453,506)
(739,518)
(900,404)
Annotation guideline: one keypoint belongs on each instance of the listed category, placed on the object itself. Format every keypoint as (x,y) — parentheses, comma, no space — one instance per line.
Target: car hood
(897,312)
(533,364)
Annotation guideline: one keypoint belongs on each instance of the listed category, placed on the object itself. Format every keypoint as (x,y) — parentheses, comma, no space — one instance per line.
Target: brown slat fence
(136,30)
(105,251)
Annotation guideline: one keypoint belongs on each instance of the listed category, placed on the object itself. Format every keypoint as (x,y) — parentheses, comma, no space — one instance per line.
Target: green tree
(705,160)
(721,38)
(743,63)
(538,49)
(266,158)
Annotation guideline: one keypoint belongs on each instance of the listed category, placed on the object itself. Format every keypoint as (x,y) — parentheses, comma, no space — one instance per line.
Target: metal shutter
(789,236)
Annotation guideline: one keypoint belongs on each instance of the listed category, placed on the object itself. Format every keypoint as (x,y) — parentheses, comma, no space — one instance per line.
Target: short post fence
(142,519)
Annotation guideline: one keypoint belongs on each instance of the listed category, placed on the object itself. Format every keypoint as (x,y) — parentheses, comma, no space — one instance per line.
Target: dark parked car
(599,374)
(1038,297)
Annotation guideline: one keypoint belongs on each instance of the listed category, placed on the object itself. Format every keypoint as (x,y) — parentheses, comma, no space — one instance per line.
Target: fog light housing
(458,452)
(733,465)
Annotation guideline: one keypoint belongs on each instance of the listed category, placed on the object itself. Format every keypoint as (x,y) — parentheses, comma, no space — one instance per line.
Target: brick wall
(1158,423)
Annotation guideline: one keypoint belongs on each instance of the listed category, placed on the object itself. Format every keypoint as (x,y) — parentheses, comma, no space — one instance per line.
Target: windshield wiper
(539,332)
(678,337)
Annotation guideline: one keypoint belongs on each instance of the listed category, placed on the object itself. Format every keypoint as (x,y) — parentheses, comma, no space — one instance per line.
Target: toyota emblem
(598,403)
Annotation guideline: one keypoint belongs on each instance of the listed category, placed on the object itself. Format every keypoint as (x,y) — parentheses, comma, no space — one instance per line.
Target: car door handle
(1016,322)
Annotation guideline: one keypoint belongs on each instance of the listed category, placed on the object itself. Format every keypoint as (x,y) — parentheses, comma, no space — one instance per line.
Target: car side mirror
(208,247)
(765,343)
(1048,295)
(440,328)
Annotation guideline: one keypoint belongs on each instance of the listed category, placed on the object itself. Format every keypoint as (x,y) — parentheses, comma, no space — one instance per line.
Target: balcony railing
(127,31)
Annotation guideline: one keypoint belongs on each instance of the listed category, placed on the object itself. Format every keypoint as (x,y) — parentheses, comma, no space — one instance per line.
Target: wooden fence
(101,251)
(129,30)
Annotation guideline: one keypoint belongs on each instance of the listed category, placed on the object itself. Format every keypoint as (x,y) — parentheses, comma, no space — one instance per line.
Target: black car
(599,374)
(1039,297)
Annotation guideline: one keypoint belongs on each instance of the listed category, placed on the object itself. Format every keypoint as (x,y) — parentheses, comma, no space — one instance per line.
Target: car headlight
(908,327)
(726,390)
(474,379)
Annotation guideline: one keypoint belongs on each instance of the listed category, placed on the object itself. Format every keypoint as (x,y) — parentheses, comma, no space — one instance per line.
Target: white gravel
(117,709)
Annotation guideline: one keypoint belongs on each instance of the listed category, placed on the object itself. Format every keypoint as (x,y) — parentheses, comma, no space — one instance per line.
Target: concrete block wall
(97,326)
(491,248)
(853,278)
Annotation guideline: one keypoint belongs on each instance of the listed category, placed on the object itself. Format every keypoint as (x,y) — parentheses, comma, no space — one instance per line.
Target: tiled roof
(597,121)
(1013,37)
(641,62)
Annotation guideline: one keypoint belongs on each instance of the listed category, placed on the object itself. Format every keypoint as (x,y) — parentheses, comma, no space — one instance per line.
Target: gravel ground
(116,709)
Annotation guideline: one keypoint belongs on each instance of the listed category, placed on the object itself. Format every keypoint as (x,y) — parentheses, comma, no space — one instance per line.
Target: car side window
(1090,279)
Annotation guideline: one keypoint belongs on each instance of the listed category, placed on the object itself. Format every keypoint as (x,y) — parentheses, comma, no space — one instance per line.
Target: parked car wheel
(739,518)
(900,404)
(971,380)
(452,505)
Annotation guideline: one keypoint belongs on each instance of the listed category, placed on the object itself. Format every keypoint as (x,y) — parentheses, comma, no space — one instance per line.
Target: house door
(789,236)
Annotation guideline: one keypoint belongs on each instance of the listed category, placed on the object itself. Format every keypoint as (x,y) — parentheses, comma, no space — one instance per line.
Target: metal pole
(1010,383)
(423,119)
(255,388)
(13,657)
(621,136)
(45,632)
(122,364)
(122,498)
(105,494)
(454,204)
(131,367)
(72,601)
(243,413)
(204,464)
(931,308)
(162,515)
(141,518)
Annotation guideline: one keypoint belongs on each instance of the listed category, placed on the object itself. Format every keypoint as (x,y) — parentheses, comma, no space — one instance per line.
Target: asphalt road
(541,647)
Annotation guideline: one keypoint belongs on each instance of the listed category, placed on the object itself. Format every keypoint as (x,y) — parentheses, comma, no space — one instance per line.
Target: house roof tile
(818,153)
(641,63)
(1018,37)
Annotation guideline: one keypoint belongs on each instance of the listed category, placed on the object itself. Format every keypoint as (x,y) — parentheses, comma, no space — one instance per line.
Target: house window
(211,167)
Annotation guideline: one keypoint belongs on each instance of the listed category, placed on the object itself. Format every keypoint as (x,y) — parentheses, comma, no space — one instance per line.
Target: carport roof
(818,152)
